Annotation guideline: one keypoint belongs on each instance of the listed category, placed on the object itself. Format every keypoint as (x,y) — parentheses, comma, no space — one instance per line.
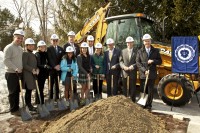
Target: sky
(10,5)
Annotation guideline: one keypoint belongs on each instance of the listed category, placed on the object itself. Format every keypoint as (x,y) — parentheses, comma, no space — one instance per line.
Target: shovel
(62,103)
(49,103)
(90,100)
(127,83)
(144,96)
(111,85)
(24,111)
(41,107)
(73,101)
(98,88)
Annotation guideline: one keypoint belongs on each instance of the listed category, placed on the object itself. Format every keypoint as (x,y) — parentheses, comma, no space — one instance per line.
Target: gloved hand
(126,68)
(131,67)
(18,70)
(97,66)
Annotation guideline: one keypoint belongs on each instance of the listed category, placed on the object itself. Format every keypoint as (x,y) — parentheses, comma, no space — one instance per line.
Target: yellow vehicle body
(172,88)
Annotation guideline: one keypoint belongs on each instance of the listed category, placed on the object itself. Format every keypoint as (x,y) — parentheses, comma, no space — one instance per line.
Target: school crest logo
(184,53)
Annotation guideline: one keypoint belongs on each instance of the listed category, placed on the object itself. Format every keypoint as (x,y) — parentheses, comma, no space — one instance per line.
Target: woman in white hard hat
(69,69)
(84,65)
(97,62)
(29,70)
(41,56)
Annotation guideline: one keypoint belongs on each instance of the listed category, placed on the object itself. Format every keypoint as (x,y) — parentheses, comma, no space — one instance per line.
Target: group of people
(72,63)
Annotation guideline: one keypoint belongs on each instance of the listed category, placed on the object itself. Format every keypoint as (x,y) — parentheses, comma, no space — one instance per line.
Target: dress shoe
(31,108)
(16,113)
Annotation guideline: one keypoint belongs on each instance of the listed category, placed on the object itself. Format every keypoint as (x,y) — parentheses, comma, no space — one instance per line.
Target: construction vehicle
(172,90)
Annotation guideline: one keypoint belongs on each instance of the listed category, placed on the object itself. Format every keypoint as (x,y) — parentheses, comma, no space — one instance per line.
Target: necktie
(148,52)
(129,54)
(110,55)
(56,49)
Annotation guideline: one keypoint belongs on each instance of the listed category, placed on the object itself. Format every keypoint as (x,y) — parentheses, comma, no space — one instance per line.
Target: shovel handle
(36,82)
(72,89)
(127,86)
(146,80)
(111,84)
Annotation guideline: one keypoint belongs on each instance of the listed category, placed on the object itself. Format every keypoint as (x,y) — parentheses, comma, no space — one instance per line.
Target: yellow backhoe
(136,25)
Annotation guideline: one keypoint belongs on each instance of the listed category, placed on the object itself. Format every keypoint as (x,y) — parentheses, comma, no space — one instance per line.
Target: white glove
(34,72)
(37,71)
(131,67)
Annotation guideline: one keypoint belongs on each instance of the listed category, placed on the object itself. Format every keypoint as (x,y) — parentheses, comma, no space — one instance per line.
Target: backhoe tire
(170,95)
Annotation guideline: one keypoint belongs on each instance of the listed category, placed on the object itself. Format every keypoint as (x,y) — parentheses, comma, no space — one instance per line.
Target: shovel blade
(143,99)
(25,114)
(87,102)
(72,106)
(49,105)
(61,105)
(42,110)
(75,104)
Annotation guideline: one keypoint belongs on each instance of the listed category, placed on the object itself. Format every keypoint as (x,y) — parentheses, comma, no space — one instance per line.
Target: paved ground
(191,111)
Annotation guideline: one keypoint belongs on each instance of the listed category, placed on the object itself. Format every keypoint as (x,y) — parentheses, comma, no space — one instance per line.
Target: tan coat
(29,63)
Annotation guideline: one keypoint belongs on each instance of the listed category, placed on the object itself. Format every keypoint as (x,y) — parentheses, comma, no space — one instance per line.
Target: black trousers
(13,90)
(149,90)
(132,88)
(54,81)
(95,86)
(28,97)
(41,82)
(112,91)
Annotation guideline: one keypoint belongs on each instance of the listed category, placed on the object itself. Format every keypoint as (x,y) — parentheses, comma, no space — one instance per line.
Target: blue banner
(185,55)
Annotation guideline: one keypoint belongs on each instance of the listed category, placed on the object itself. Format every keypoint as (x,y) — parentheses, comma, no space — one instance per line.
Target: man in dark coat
(129,69)
(71,42)
(54,56)
(147,59)
(112,67)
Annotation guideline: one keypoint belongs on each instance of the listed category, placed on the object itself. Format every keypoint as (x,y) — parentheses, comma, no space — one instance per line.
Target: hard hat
(41,43)
(98,45)
(19,32)
(84,45)
(110,41)
(146,36)
(71,33)
(54,37)
(69,49)
(129,39)
(29,41)
(90,38)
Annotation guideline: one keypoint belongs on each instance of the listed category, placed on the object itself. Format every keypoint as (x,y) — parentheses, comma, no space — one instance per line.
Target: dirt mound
(114,114)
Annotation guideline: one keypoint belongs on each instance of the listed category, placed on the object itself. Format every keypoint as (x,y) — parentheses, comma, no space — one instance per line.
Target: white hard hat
(69,49)
(29,41)
(71,33)
(41,43)
(19,32)
(129,39)
(146,36)
(84,45)
(54,37)
(90,38)
(110,41)
(98,45)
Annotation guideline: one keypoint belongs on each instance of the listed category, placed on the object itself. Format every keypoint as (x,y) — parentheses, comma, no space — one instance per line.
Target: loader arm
(94,23)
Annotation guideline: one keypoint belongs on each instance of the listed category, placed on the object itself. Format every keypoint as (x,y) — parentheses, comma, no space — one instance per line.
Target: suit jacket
(29,63)
(113,62)
(77,52)
(53,58)
(142,62)
(124,61)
